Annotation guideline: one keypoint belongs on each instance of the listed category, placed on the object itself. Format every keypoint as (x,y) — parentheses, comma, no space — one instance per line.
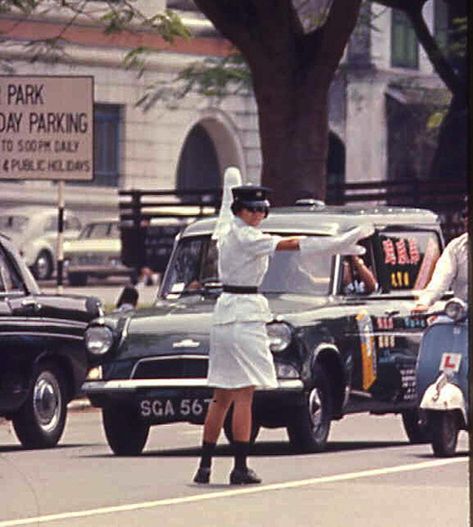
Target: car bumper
(130,385)
(271,406)
(99,270)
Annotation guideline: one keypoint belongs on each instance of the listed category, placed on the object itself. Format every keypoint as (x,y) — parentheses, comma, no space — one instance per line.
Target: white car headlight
(95,374)
(280,336)
(455,309)
(286,371)
(98,340)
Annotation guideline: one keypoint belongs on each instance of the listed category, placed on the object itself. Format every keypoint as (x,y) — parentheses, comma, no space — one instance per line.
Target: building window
(404,46)
(106,145)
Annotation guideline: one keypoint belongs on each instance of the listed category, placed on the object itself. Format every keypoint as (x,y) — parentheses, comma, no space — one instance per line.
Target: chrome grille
(187,367)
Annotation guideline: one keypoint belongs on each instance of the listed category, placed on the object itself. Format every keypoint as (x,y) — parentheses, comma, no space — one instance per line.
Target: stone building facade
(190,144)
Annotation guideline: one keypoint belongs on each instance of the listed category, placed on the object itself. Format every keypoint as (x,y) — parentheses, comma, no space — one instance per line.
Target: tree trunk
(292,72)
(451,156)
(293,126)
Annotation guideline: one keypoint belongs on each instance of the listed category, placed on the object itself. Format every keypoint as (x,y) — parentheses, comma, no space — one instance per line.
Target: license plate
(450,362)
(174,409)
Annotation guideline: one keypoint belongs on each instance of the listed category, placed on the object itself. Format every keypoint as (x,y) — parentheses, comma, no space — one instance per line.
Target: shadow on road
(18,448)
(267,449)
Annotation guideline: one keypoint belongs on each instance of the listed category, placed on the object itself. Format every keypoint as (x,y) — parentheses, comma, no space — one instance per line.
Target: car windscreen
(193,269)
(13,223)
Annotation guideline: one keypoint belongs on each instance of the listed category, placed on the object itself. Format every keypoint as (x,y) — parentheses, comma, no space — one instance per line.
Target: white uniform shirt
(451,272)
(243,261)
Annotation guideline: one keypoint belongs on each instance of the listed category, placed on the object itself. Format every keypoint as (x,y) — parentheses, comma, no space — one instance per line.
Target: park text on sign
(46,127)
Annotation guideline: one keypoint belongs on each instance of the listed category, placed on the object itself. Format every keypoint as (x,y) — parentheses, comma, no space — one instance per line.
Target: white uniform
(239,353)
(239,349)
(451,272)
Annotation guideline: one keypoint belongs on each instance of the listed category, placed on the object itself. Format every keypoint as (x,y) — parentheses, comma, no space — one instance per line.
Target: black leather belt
(240,289)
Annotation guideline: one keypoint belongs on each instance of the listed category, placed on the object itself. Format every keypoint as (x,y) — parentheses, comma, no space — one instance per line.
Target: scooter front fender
(446,398)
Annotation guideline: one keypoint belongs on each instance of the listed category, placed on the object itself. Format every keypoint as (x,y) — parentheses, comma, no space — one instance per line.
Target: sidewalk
(79,404)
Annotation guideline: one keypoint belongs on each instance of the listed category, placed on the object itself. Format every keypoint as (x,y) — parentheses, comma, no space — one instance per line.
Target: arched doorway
(198,166)
(335,168)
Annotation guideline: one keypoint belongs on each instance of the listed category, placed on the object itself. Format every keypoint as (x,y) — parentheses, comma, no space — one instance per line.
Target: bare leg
(242,413)
(216,413)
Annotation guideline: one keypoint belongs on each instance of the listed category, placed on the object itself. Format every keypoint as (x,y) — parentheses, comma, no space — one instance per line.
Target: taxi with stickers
(342,337)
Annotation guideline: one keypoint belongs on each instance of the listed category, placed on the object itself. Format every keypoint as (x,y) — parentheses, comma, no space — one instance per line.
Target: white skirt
(239,356)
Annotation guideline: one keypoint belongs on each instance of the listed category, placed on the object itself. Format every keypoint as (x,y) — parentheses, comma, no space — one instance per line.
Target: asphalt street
(369,476)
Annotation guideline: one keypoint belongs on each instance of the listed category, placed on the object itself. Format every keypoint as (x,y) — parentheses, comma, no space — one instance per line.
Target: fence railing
(446,198)
(149,220)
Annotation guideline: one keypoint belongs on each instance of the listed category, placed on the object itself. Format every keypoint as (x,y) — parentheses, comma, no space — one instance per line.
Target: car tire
(416,430)
(40,421)
(309,425)
(227,428)
(43,266)
(444,433)
(77,279)
(125,431)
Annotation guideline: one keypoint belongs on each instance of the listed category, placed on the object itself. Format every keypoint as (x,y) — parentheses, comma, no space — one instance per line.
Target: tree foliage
(286,51)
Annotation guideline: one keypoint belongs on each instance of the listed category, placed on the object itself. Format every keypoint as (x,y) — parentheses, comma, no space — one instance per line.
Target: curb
(77,405)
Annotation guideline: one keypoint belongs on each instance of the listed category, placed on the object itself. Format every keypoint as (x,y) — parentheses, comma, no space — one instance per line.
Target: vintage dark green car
(43,361)
(342,337)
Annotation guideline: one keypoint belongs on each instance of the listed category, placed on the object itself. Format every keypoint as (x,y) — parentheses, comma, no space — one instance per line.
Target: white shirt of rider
(451,272)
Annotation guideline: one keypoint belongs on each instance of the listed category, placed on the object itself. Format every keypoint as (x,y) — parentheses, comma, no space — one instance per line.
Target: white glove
(341,244)
(231,178)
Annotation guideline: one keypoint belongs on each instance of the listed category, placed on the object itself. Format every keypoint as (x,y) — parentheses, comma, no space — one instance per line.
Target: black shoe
(244,477)
(202,475)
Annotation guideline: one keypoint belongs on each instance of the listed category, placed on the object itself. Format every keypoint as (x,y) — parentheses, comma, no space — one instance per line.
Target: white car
(34,232)
(96,253)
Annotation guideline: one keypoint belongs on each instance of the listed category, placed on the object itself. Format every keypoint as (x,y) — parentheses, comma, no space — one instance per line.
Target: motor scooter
(442,377)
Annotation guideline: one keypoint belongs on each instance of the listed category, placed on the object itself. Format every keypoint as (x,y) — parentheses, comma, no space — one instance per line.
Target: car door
(19,305)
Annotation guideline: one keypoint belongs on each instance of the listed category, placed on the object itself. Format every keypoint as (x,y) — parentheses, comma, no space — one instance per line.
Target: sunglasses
(257,208)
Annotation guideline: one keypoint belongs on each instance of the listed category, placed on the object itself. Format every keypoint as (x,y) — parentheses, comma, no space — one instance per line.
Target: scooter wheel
(444,430)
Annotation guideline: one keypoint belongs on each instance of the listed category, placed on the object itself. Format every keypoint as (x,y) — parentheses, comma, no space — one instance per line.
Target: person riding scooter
(451,271)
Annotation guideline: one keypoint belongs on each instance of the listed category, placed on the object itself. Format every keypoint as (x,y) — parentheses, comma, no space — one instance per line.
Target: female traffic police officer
(239,357)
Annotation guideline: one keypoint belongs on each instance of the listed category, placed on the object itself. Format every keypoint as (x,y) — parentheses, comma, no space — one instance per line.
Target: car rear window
(406,259)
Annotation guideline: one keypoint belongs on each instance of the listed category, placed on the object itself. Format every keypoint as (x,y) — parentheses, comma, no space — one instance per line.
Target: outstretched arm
(341,244)
(289,244)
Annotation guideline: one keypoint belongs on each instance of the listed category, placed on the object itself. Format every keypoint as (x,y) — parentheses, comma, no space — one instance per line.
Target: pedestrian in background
(128,299)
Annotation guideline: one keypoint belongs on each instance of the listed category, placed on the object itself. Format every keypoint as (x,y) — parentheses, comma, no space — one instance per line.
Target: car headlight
(286,371)
(280,336)
(98,340)
(455,309)
(95,374)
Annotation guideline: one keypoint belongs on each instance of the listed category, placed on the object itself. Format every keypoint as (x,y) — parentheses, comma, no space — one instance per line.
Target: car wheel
(227,428)
(43,266)
(444,430)
(416,430)
(125,431)
(77,279)
(40,421)
(309,425)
